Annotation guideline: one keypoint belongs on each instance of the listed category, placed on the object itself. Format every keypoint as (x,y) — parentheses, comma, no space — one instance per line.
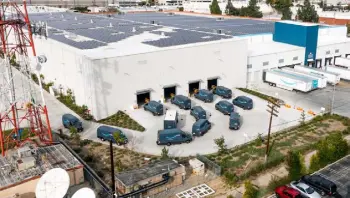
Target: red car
(287,192)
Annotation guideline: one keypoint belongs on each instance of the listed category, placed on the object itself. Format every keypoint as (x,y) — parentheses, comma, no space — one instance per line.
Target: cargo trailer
(322,81)
(332,77)
(344,73)
(342,62)
(288,81)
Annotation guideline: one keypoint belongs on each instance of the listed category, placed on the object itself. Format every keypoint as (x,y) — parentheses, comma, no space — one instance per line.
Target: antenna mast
(22,115)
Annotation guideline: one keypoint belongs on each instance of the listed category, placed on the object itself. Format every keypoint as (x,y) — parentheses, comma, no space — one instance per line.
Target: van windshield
(310,190)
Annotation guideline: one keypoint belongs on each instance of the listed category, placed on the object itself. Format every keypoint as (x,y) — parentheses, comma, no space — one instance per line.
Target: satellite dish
(84,193)
(53,184)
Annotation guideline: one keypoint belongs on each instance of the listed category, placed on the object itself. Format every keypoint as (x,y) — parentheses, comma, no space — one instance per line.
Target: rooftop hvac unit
(171,14)
(153,22)
(25,163)
(220,19)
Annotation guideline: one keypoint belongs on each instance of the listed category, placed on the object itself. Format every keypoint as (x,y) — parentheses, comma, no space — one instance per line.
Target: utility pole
(112,165)
(272,109)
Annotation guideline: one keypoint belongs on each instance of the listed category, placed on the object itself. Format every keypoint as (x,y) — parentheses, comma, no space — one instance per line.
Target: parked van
(320,184)
(69,120)
(223,92)
(244,102)
(171,119)
(198,112)
(204,95)
(200,127)
(106,133)
(181,101)
(173,136)
(154,107)
(225,107)
(235,121)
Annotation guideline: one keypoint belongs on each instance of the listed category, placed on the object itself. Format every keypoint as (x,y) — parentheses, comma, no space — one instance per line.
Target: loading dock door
(192,86)
(169,91)
(212,83)
(335,57)
(328,61)
(318,63)
(142,97)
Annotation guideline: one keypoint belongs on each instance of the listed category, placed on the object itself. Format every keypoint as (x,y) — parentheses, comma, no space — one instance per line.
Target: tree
(215,8)
(118,138)
(250,190)
(331,149)
(282,7)
(348,26)
(254,10)
(231,10)
(220,142)
(295,165)
(165,153)
(314,163)
(307,13)
(302,118)
(73,131)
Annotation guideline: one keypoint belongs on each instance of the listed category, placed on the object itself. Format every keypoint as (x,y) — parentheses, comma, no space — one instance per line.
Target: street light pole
(272,109)
(332,106)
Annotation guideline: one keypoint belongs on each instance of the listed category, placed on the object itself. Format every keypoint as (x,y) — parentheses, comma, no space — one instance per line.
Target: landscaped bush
(332,148)
(123,120)
(250,190)
(260,95)
(276,181)
(181,9)
(69,101)
(295,165)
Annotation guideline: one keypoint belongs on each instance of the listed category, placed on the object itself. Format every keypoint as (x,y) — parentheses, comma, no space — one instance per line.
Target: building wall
(76,177)
(333,21)
(254,74)
(114,82)
(332,51)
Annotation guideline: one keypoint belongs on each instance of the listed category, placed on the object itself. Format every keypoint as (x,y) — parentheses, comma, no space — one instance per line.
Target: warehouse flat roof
(299,23)
(56,156)
(86,31)
(331,40)
(259,49)
(131,177)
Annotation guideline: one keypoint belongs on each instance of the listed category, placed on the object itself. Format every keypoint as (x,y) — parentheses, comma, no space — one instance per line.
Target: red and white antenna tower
(23,113)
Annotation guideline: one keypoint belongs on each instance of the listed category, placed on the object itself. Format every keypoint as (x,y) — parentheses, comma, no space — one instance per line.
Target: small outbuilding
(197,166)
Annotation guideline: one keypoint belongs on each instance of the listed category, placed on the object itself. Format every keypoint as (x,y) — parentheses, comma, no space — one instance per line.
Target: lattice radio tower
(23,113)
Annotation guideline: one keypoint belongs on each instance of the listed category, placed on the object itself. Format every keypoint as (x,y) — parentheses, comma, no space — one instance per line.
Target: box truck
(289,81)
(171,119)
(322,81)
(332,78)
(344,73)
(342,62)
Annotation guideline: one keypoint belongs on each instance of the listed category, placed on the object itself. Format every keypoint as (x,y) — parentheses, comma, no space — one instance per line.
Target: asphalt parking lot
(339,173)
(254,122)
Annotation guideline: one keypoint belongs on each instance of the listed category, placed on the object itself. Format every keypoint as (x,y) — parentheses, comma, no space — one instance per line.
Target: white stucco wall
(113,82)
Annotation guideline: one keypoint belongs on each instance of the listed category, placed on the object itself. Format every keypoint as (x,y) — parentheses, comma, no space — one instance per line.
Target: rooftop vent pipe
(91,21)
(219,31)
(75,18)
(153,22)
(110,25)
(62,16)
(133,29)
(220,19)
(162,34)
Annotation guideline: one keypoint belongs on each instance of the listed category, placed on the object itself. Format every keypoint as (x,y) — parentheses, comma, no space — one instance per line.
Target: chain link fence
(213,167)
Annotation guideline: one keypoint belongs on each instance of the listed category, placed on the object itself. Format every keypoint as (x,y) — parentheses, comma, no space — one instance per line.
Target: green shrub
(181,9)
(250,190)
(123,120)
(230,196)
(314,163)
(295,165)
(230,178)
(85,142)
(260,95)
(276,181)
(332,148)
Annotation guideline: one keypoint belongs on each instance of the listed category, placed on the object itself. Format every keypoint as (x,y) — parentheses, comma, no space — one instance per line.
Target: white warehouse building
(116,63)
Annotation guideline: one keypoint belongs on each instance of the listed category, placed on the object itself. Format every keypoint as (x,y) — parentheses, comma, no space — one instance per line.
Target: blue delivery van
(204,95)
(235,121)
(173,136)
(181,101)
(107,133)
(198,113)
(69,120)
(154,107)
(200,127)
(223,92)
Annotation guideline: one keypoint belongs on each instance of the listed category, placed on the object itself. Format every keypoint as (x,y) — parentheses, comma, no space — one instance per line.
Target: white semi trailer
(342,62)
(344,73)
(288,81)
(332,77)
(322,81)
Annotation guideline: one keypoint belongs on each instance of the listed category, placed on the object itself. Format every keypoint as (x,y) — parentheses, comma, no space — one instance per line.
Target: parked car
(171,119)
(320,184)
(304,189)
(198,112)
(173,136)
(243,101)
(287,192)
(154,107)
(223,92)
(235,121)
(200,127)
(107,133)
(69,120)
(204,95)
(224,107)
(181,101)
